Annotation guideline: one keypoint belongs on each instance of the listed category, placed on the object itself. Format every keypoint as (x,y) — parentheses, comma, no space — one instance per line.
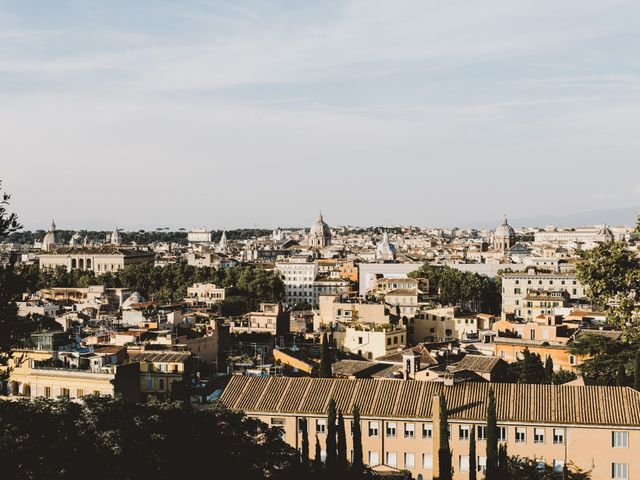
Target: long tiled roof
(549,404)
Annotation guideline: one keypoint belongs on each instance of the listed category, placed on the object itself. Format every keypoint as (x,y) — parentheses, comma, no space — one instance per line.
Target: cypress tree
(325,358)
(318,460)
(492,437)
(472,454)
(636,376)
(621,375)
(502,470)
(444,452)
(342,445)
(304,454)
(548,369)
(357,467)
(331,435)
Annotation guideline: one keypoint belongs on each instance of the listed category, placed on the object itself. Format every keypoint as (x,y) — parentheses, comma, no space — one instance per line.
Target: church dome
(320,228)
(51,239)
(504,231)
(134,298)
(606,233)
(385,250)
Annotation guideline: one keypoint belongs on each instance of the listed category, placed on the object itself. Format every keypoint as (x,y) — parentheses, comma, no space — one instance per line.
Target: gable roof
(478,363)
(547,404)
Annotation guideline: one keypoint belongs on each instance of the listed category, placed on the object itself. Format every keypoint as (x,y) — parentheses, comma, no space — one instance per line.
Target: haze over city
(241,113)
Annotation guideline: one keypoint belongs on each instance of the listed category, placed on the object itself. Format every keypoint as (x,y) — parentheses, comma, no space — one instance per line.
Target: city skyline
(451,115)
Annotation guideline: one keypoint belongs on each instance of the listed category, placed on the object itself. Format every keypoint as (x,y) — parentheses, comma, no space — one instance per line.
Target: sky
(261,113)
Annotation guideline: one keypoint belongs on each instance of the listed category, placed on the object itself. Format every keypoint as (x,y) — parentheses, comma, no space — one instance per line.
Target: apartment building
(205,294)
(556,424)
(333,310)
(370,340)
(299,273)
(448,323)
(160,372)
(516,287)
(270,318)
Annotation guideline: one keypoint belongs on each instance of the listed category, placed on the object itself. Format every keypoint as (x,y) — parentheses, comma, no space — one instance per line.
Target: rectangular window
(463,432)
(373,429)
(558,465)
(427,430)
(620,471)
(521,435)
(277,422)
(373,459)
(427,461)
(502,434)
(79,393)
(161,383)
(409,460)
(321,425)
(538,435)
(47,392)
(409,430)
(620,439)
(391,459)
(391,429)
(150,384)
(482,464)
(64,392)
(96,392)
(558,435)
(464,463)
(302,425)
(482,432)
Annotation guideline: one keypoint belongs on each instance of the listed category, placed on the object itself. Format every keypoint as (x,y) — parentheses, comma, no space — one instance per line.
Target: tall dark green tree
(317,461)
(331,435)
(502,468)
(492,437)
(621,375)
(325,358)
(636,373)
(341,461)
(445,464)
(472,454)
(357,466)
(304,453)
(11,327)
(548,369)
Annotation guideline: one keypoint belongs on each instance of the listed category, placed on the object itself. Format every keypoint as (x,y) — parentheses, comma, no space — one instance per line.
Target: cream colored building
(207,294)
(596,428)
(160,371)
(332,310)
(448,323)
(106,258)
(370,340)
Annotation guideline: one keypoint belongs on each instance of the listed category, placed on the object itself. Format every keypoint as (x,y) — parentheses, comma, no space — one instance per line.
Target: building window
(409,460)
(463,462)
(482,464)
(620,471)
(463,432)
(150,384)
(538,435)
(64,392)
(427,430)
(409,430)
(558,435)
(482,432)
(373,459)
(502,434)
(373,429)
(161,383)
(391,459)
(79,393)
(619,439)
(391,429)
(47,392)
(321,425)
(572,360)
(302,425)
(277,422)
(521,435)
(427,461)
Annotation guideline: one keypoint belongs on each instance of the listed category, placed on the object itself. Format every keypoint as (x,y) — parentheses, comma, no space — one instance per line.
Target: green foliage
(636,371)
(522,468)
(562,376)
(445,462)
(528,369)
(621,376)
(325,359)
(492,437)
(342,462)
(331,435)
(472,454)
(604,355)
(611,273)
(548,370)
(114,440)
(357,466)
(304,454)
(469,290)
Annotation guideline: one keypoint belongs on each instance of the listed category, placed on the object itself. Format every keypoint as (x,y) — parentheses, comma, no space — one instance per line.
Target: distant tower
(116,238)
(320,234)
(223,247)
(504,237)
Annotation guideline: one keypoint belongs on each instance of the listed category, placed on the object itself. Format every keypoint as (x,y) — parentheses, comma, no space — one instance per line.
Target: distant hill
(611,216)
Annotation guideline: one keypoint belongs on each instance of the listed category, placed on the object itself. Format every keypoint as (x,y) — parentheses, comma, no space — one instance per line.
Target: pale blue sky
(235,113)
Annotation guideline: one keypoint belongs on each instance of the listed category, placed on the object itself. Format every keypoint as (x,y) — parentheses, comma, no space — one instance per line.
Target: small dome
(606,232)
(51,239)
(504,231)
(134,298)
(320,229)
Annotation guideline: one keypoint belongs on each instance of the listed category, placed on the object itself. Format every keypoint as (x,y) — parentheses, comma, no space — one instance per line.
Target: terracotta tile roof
(538,404)
(477,363)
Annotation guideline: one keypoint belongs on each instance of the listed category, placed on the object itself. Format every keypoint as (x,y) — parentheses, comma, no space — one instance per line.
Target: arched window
(88,264)
(73,263)
(81,264)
